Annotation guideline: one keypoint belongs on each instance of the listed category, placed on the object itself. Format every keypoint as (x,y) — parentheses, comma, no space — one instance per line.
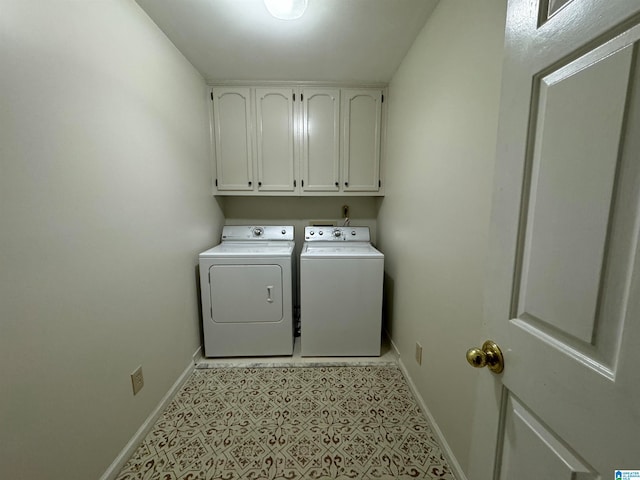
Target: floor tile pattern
(290,423)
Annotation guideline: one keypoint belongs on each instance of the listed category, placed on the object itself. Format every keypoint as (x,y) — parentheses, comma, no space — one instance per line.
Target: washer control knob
(258,231)
(311,232)
(353,232)
(320,232)
(337,233)
(284,231)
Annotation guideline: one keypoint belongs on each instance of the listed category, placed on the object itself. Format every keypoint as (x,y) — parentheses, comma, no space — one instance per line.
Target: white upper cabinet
(320,140)
(275,139)
(361,123)
(292,140)
(232,139)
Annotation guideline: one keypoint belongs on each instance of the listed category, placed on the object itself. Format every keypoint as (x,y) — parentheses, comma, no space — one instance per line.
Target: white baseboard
(128,450)
(446,449)
(394,347)
(197,356)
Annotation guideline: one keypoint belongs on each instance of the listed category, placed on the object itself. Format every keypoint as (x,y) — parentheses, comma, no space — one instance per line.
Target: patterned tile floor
(346,422)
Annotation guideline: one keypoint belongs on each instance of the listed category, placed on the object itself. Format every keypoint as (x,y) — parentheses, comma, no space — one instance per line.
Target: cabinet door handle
(249,183)
(346,184)
(259,184)
(294,183)
(269,288)
(337,184)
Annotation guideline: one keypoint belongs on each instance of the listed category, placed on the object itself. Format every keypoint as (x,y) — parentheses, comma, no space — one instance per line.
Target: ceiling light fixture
(286,9)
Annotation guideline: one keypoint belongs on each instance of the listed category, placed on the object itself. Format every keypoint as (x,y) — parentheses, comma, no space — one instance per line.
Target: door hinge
(294,183)
(211,95)
(383,98)
(302,182)
(209,275)
(379,183)
(294,97)
(301,97)
(216,182)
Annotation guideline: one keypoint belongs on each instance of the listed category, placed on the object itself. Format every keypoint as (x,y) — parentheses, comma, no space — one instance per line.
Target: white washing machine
(341,276)
(246,285)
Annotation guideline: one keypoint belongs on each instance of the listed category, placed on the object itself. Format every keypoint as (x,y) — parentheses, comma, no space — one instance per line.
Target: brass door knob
(489,355)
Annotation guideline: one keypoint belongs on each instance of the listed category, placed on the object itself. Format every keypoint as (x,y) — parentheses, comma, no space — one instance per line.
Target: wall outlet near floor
(418,353)
(137,380)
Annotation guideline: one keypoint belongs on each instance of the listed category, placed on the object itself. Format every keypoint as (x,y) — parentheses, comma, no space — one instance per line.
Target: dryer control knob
(320,232)
(353,232)
(311,232)
(337,233)
(284,231)
(258,231)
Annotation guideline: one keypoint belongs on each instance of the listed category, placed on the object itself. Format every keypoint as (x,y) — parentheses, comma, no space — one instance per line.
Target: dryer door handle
(269,288)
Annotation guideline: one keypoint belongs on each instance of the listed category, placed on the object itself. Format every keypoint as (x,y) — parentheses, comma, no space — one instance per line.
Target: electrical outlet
(418,353)
(137,380)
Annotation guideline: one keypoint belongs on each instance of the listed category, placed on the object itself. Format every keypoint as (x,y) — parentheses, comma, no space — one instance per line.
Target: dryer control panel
(257,232)
(337,234)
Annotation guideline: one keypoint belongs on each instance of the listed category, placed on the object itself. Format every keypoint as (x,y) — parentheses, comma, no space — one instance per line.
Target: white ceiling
(335,40)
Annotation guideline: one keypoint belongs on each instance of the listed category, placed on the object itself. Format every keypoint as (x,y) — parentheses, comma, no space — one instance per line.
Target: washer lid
(340,250)
(249,249)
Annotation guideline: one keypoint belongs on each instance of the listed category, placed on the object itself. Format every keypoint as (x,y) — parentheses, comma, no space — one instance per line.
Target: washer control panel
(337,234)
(257,232)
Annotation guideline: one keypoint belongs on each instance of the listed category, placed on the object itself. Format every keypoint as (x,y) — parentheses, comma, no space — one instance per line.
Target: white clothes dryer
(341,276)
(246,285)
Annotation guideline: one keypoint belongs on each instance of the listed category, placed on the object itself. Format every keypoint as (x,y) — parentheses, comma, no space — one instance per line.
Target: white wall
(104,205)
(433,222)
(300,211)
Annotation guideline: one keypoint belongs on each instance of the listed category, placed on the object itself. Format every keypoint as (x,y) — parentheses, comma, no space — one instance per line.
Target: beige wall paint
(104,205)
(433,222)
(300,211)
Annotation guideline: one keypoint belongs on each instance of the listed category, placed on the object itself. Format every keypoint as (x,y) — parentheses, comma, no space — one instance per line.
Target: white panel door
(232,138)
(563,294)
(320,140)
(361,122)
(275,139)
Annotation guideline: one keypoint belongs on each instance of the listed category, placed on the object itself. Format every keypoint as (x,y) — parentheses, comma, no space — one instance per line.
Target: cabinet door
(275,139)
(320,140)
(361,120)
(232,138)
